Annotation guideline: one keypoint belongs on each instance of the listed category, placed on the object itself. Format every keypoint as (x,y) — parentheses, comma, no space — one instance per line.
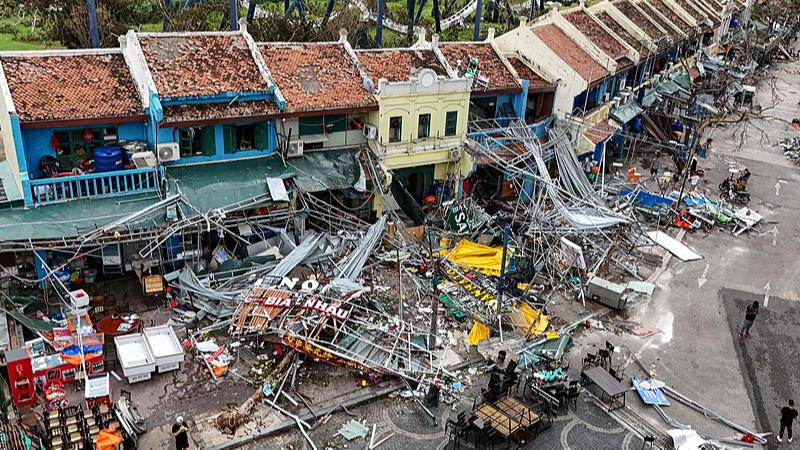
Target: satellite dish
(369,85)
(427,77)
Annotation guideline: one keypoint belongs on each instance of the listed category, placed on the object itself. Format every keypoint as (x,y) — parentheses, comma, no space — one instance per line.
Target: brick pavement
(584,427)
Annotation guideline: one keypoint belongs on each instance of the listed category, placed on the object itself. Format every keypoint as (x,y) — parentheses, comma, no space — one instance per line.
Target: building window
(451,123)
(75,147)
(322,124)
(395,129)
(424,126)
(197,141)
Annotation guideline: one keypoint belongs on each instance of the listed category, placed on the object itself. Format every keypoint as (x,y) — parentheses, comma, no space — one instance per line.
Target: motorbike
(731,193)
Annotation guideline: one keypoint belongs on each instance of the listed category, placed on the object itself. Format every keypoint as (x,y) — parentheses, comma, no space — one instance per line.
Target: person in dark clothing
(749,318)
(179,429)
(788,416)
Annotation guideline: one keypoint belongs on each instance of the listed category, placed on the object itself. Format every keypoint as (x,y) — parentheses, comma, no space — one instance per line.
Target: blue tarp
(646,199)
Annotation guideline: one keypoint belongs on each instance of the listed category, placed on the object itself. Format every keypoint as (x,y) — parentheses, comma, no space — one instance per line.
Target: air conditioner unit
(295,149)
(168,152)
(370,131)
(144,160)
(454,153)
(606,97)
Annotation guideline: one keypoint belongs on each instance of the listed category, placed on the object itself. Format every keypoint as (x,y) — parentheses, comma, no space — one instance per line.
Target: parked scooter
(730,192)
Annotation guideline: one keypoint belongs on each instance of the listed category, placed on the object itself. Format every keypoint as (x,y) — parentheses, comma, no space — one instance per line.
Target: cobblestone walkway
(587,427)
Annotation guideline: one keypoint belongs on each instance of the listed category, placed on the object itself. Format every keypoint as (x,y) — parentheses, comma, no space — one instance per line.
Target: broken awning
(625,113)
(76,218)
(212,186)
(486,260)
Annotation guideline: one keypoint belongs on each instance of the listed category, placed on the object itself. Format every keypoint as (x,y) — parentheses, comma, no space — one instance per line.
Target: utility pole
(93,23)
(234,15)
(378,25)
(478,11)
(434,330)
(502,285)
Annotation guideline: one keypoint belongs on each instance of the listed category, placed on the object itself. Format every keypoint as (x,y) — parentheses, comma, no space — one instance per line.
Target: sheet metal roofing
(195,65)
(316,76)
(77,86)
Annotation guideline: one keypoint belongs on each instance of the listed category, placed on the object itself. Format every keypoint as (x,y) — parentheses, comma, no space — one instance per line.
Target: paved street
(586,427)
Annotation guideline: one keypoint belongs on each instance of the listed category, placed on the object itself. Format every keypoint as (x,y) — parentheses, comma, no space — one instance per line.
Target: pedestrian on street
(788,415)
(655,165)
(695,179)
(179,429)
(749,318)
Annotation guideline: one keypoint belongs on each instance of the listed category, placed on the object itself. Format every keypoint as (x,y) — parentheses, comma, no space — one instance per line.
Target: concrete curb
(289,423)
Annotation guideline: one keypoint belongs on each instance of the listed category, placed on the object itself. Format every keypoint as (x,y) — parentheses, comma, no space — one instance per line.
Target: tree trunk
(277,371)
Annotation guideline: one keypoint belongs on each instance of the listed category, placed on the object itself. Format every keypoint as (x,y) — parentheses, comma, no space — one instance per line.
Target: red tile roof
(650,10)
(692,9)
(71,87)
(315,77)
(199,65)
(622,33)
(671,16)
(526,73)
(569,52)
(638,18)
(600,132)
(490,65)
(694,72)
(398,65)
(219,111)
(596,34)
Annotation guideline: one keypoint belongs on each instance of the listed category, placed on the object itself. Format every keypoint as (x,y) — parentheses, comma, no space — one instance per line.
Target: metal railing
(93,185)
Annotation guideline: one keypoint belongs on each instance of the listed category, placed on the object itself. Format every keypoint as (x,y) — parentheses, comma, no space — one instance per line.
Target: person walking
(749,318)
(179,432)
(655,165)
(788,416)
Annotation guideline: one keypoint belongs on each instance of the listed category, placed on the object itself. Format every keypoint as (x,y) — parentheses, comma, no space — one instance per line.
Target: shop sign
(329,309)
(480,294)
(323,355)
(457,219)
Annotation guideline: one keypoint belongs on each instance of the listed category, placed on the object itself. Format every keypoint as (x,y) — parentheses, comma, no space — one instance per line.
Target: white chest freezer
(165,347)
(137,362)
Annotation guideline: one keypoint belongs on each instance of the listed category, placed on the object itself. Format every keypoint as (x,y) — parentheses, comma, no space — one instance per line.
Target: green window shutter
(451,123)
(208,140)
(262,136)
(229,138)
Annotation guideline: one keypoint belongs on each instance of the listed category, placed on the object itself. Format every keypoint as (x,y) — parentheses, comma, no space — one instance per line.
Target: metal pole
(93,23)
(502,286)
(234,15)
(379,25)
(436,17)
(478,11)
